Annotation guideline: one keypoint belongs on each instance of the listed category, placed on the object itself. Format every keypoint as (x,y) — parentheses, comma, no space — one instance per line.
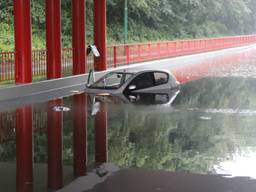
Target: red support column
(100,125)
(54,131)
(24,154)
(22,30)
(78,36)
(100,40)
(53,38)
(80,138)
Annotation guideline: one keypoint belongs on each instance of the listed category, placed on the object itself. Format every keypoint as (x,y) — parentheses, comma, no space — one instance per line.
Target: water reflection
(80,134)
(190,138)
(187,136)
(101,142)
(155,101)
(209,130)
(54,134)
(242,164)
(24,159)
(240,63)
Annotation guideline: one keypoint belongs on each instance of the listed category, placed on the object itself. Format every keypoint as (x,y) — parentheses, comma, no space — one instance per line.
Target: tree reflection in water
(196,136)
(209,128)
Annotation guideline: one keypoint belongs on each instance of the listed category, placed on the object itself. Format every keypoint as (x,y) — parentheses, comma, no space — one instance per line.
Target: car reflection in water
(148,101)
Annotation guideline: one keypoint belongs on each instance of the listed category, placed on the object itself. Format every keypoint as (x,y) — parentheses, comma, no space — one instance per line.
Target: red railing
(7,66)
(39,62)
(67,60)
(134,53)
(118,55)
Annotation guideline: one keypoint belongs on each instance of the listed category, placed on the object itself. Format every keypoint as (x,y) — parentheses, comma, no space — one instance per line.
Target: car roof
(122,72)
(134,71)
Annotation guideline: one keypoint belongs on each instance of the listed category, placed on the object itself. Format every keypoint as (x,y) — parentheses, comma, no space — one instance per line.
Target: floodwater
(203,141)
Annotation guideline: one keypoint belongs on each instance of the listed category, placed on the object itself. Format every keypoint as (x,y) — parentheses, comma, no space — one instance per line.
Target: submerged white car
(128,82)
(147,102)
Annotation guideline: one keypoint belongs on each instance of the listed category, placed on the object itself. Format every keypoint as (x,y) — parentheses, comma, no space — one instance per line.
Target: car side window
(143,80)
(160,78)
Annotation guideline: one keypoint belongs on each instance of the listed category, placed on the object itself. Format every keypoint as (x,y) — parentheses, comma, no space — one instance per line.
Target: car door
(149,82)
(141,81)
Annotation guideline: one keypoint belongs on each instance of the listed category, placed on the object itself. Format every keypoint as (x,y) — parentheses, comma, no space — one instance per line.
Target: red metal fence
(135,53)
(39,62)
(6,66)
(118,55)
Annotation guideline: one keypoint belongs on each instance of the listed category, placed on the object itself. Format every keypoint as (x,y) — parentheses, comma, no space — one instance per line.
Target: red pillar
(100,63)
(22,30)
(24,154)
(53,38)
(54,131)
(80,128)
(100,125)
(78,36)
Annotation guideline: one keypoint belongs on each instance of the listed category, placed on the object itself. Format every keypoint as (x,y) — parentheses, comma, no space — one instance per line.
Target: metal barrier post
(115,57)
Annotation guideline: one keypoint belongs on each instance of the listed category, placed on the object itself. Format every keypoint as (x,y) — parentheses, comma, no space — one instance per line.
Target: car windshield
(113,80)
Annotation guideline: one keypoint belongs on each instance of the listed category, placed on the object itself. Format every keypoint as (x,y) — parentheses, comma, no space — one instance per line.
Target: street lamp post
(125,21)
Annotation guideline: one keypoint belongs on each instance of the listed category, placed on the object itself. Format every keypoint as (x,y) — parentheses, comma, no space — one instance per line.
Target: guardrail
(125,54)
(136,53)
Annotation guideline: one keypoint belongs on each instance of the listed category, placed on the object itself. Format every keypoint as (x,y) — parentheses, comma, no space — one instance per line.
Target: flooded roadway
(203,141)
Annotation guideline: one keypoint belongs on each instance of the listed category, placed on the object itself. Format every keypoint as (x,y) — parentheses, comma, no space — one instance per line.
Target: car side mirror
(95,107)
(95,51)
(91,78)
(132,87)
